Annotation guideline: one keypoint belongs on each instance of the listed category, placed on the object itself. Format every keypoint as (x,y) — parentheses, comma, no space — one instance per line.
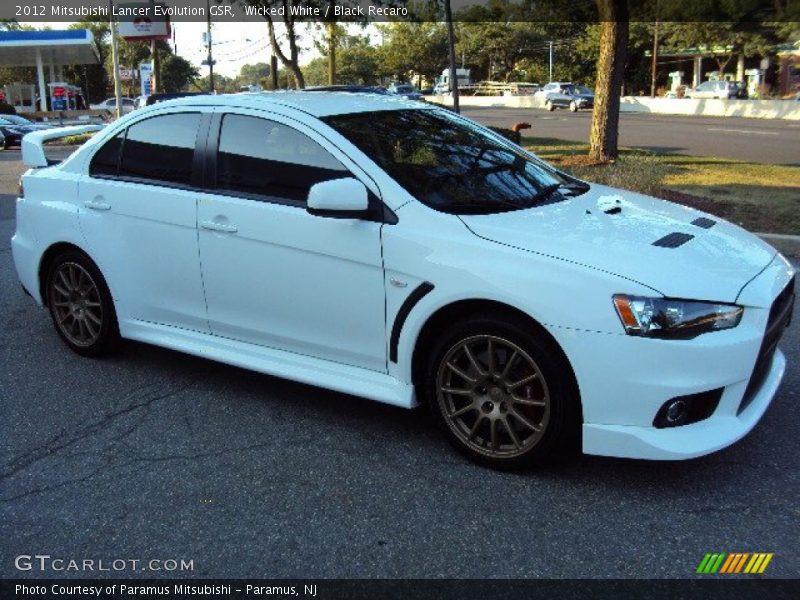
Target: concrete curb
(788,245)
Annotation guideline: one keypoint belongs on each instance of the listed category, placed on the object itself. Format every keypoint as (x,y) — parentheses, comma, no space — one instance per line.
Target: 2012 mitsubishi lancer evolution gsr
(397,251)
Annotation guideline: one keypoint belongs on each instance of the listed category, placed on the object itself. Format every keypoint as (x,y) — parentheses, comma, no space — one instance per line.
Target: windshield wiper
(544,193)
(577,187)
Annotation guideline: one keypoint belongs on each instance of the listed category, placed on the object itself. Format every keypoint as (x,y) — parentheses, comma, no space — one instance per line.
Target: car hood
(615,231)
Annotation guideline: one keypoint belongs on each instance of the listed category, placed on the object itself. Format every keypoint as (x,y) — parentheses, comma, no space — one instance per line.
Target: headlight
(675,319)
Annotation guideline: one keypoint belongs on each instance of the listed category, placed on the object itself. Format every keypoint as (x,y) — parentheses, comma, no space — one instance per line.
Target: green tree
(413,49)
(177,74)
(254,74)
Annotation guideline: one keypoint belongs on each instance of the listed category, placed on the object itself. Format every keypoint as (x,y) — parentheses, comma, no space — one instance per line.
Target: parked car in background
(716,89)
(400,252)
(404,90)
(139,102)
(111,105)
(156,98)
(14,127)
(351,89)
(551,88)
(574,97)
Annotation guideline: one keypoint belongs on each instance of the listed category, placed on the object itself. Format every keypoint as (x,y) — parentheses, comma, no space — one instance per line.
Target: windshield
(450,164)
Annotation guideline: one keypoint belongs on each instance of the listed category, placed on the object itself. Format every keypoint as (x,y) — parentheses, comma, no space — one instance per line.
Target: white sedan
(110,104)
(399,252)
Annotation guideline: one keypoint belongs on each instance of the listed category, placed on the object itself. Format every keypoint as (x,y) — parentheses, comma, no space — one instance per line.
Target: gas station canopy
(56,47)
(52,48)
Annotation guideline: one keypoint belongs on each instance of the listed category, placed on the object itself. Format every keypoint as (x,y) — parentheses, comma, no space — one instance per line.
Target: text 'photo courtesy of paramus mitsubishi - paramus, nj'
(394,250)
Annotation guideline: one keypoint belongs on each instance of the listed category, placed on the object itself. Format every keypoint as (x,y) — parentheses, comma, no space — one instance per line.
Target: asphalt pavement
(768,141)
(153,454)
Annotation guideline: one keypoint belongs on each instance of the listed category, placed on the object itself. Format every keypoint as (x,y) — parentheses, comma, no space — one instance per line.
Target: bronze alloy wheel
(493,396)
(75,301)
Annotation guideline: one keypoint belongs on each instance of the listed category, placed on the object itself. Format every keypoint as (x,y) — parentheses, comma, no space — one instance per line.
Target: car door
(138,215)
(275,275)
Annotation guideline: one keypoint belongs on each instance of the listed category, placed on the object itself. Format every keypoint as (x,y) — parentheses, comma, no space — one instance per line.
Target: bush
(7,109)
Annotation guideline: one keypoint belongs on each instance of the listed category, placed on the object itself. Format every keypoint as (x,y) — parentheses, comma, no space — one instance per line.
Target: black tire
(500,441)
(573,106)
(79,302)
(549,106)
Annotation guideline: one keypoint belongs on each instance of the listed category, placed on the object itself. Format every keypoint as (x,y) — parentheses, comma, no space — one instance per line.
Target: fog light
(684,410)
(676,410)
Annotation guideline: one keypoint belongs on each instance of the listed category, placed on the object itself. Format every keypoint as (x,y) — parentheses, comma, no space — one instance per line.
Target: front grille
(780,315)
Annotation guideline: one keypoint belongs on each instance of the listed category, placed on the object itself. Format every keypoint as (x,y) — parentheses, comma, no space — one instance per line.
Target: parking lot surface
(158,455)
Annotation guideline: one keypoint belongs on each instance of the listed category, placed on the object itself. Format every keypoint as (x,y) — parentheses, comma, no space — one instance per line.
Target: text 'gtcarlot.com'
(45,562)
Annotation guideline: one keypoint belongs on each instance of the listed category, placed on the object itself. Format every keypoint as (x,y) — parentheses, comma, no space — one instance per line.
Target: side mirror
(345,198)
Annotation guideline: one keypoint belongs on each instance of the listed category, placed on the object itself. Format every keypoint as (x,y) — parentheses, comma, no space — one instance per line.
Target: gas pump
(59,99)
(676,82)
(753,82)
(22,97)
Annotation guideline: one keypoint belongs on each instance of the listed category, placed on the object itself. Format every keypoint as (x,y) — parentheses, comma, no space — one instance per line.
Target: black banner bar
(412,589)
(366,11)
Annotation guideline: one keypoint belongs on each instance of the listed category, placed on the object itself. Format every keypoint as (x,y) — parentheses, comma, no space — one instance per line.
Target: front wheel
(573,106)
(549,106)
(81,305)
(503,394)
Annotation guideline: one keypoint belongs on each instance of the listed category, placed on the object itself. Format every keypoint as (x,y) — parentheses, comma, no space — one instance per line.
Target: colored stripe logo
(734,562)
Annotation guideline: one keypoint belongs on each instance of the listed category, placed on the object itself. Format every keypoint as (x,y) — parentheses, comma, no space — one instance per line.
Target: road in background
(152,454)
(769,141)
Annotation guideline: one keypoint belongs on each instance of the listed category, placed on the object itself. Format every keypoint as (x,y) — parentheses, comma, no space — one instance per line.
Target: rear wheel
(81,305)
(503,394)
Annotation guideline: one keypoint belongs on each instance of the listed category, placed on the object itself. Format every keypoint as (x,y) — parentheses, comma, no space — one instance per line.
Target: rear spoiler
(33,143)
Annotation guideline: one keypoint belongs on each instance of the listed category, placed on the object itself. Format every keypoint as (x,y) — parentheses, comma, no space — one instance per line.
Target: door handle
(97,205)
(215,226)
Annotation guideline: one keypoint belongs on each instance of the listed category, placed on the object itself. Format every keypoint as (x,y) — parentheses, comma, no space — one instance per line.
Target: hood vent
(673,240)
(704,222)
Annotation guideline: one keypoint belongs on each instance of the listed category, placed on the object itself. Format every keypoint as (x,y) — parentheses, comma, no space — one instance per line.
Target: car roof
(319,104)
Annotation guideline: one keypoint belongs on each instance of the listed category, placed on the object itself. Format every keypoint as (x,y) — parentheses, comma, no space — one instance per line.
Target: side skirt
(280,363)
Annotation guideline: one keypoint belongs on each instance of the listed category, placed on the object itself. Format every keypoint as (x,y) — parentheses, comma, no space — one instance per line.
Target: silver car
(715,89)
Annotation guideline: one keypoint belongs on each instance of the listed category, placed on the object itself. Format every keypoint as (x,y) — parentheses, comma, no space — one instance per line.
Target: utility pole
(655,56)
(451,43)
(210,57)
(115,59)
(155,83)
(551,61)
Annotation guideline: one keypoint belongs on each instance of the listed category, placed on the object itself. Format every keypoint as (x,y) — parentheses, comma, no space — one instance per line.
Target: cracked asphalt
(157,455)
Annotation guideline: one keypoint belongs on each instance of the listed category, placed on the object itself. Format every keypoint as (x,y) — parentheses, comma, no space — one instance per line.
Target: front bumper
(722,429)
(625,380)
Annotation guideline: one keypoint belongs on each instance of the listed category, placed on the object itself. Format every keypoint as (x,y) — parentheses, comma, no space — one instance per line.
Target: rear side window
(106,161)
(264,158)
(161,148)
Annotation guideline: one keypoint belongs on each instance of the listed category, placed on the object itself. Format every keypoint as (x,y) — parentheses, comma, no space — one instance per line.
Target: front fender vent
(673,240)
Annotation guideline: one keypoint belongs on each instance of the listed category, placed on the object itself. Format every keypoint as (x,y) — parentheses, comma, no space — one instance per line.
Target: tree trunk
(291,61)
(603,141)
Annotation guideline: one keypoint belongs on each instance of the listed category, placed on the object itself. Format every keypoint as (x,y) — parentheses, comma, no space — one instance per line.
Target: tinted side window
(106,161)
(265,158)
(161,148)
